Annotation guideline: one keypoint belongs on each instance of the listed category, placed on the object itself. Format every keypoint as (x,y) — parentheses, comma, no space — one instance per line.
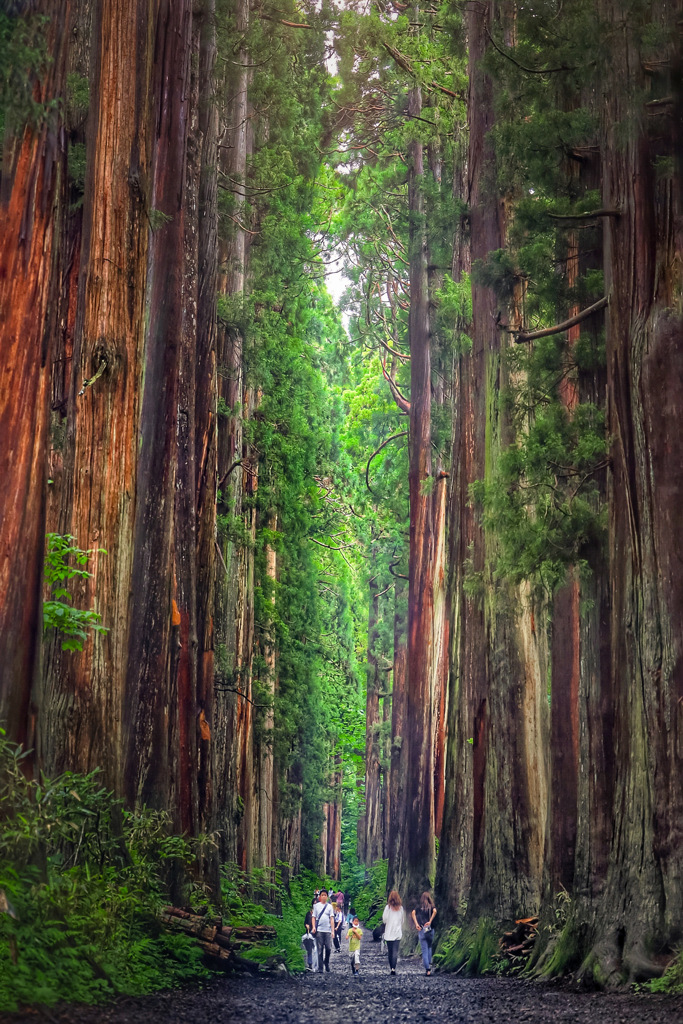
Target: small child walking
(354,935)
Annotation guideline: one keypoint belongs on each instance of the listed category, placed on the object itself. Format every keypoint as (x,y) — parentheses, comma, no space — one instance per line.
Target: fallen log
(224,938)
(219,943)
(253,933)
(194,926)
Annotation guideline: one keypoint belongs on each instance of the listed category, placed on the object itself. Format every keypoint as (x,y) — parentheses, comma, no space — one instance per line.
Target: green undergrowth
(366,891)
(81,884)
(472,950)
(671,982)
(248,899)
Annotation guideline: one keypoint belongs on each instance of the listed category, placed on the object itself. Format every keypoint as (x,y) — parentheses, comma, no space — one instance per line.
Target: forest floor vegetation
(83,883)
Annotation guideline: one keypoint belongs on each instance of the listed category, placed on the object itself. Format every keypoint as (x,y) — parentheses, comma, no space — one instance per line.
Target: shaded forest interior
(395,577)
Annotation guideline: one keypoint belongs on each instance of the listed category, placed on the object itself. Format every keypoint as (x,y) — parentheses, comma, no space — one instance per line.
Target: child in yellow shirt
(354,935)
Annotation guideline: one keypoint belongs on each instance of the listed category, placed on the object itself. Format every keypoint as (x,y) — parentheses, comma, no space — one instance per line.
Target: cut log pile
(518,943)
(220,943)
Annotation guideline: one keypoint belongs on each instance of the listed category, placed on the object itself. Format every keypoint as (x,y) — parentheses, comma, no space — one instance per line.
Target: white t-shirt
(393,922)
(323,914)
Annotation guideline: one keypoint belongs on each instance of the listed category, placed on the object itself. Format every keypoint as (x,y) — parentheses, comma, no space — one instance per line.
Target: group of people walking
(324,925)
(394,918)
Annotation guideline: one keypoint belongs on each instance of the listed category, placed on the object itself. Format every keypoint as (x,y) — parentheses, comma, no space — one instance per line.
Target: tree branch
(565,325)
(401,401)
(289,24)
(393,437)
(585,216)
(529,71)
(231,689)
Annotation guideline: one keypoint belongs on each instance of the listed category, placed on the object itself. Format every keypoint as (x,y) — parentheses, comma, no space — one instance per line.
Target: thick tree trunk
(234,713)
(183,707)
(147,695)
(205,418)
(81,706)
(413,869)
(463,789)
(386,771)
(565,671)
(371,848)
(264,853)
(399,750)
(29,196)
(495,810)
(439,374)
(642,906)
(334,809)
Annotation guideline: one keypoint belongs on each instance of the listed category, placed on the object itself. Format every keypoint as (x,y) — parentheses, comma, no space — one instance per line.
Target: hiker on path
(338,926)
(394,917)
(423,916)
(324,930)
(308,940)
(354,935)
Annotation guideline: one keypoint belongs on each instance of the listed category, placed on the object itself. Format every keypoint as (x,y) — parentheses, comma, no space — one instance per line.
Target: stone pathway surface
(375,997)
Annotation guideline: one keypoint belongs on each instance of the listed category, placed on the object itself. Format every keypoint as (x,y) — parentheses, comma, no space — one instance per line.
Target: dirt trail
(375,998)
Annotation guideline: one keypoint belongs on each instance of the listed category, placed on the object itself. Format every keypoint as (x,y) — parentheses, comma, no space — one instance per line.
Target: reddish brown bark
(82,703)
(232,616)
(333,830)
(371,848)
(146,701)
(28,197)
(642,905)
(386,771)
(565,671)
(415,859)
(264,850)
(564,735)
(495,807)
(205,410)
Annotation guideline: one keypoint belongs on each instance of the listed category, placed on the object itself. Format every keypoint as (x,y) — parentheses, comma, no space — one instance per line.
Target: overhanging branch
(585,216)
(565,325)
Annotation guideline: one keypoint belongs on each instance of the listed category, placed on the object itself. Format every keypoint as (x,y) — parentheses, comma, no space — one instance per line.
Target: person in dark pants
(309,946)
(338,926)
(394,917)
(324,930)
(423,917)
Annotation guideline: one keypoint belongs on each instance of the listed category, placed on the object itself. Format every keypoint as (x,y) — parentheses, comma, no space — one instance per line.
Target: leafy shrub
(671,982)
(72,623)
(241,892)
(83,880)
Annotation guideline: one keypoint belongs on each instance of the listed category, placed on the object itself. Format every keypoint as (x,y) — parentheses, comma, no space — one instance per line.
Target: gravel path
(375,998)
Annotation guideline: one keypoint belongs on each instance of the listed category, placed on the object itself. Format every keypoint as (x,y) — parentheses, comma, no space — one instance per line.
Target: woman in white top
(394,917)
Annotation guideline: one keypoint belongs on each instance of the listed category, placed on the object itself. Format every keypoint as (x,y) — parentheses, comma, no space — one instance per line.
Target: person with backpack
(323,916)
(394,917)
(423,917)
